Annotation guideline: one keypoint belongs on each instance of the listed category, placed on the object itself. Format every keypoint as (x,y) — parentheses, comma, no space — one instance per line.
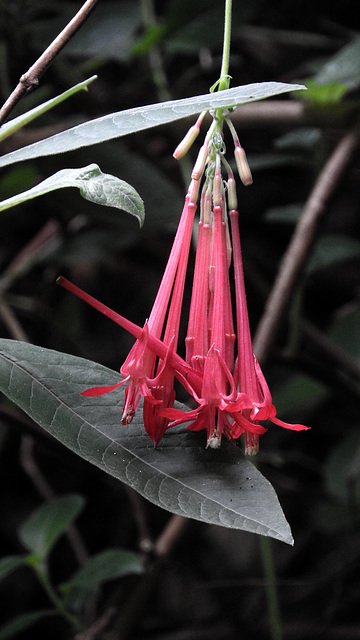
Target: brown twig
(170,535)
(30,79)
(302,241)
(138,508)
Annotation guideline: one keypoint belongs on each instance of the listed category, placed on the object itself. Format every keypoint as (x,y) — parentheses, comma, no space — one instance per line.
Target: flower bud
(194,191)
(199,165)
(188,140)
(232,196)
(242,166)
(217,188)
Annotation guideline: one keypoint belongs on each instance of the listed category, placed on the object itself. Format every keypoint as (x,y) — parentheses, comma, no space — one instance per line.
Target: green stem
(224,74)
(275,627)
(41,573)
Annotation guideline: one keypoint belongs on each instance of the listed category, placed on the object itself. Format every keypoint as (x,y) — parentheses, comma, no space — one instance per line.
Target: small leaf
(101,568)
(94,185)
(10,564)
(343,67)
(345,332)
(22,622)
(108,565)
(324,94)
(44,527)
(9,128)
(122,123)
(216,486)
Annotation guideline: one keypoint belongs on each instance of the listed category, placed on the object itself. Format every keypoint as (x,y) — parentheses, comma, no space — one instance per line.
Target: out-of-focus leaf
(345,331)
(324,94)
(343,68)
(108,33)
(122,123)
(22,622)
(303,138)
(94,185)
(297,393)
(338,466)
(9,128)
(45,525)
(180,475)
(9,564)
(331,249)
(107,565)
(288,214)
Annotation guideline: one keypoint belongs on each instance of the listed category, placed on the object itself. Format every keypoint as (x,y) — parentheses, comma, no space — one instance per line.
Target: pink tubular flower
(218,396)
(147,378)
(227,384)
(248,374)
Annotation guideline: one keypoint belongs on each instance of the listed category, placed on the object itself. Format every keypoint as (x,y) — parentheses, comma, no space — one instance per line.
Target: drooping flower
(227,384)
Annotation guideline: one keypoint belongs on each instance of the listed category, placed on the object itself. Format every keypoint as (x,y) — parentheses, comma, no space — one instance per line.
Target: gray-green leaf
(216,486)
(10,127)
(122,123)
(94,185)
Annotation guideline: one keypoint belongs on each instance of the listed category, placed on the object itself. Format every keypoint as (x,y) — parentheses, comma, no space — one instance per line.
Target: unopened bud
(199,165)
(206,206)
(194,191)
(242,166)
(232,196)
(217,188)
(188,140)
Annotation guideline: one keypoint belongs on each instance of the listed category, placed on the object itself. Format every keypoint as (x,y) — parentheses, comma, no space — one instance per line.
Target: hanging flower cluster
(220,370)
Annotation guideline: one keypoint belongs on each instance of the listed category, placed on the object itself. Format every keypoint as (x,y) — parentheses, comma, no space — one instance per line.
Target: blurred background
(212,584)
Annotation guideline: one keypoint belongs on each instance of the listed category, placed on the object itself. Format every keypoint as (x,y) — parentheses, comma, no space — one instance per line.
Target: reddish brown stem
(302,241)
(30,79)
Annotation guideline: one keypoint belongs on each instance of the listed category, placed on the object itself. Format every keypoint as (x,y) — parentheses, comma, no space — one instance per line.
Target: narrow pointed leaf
(122,123)
(94,185)
(214,486)
(23,622)
(9,564)
(10,127)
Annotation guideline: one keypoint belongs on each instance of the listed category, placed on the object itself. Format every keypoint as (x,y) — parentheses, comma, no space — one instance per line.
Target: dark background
(212,584)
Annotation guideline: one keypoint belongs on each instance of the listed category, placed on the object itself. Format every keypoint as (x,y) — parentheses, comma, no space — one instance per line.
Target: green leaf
(10,564)
(45,525)
(332,249)
(22,622)
(94,185)
(340,466)
(324,94)
(122,123)
(9,128)
(343,67)
(345,332)
(216,486)
(107,565)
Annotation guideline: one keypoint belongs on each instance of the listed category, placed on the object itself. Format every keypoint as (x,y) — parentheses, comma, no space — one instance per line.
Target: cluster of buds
(220,371)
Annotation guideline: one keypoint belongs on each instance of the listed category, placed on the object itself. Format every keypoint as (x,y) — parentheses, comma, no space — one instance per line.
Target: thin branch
(138,508)
(170,535)
(44,489)
(30,79)
(302,241)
